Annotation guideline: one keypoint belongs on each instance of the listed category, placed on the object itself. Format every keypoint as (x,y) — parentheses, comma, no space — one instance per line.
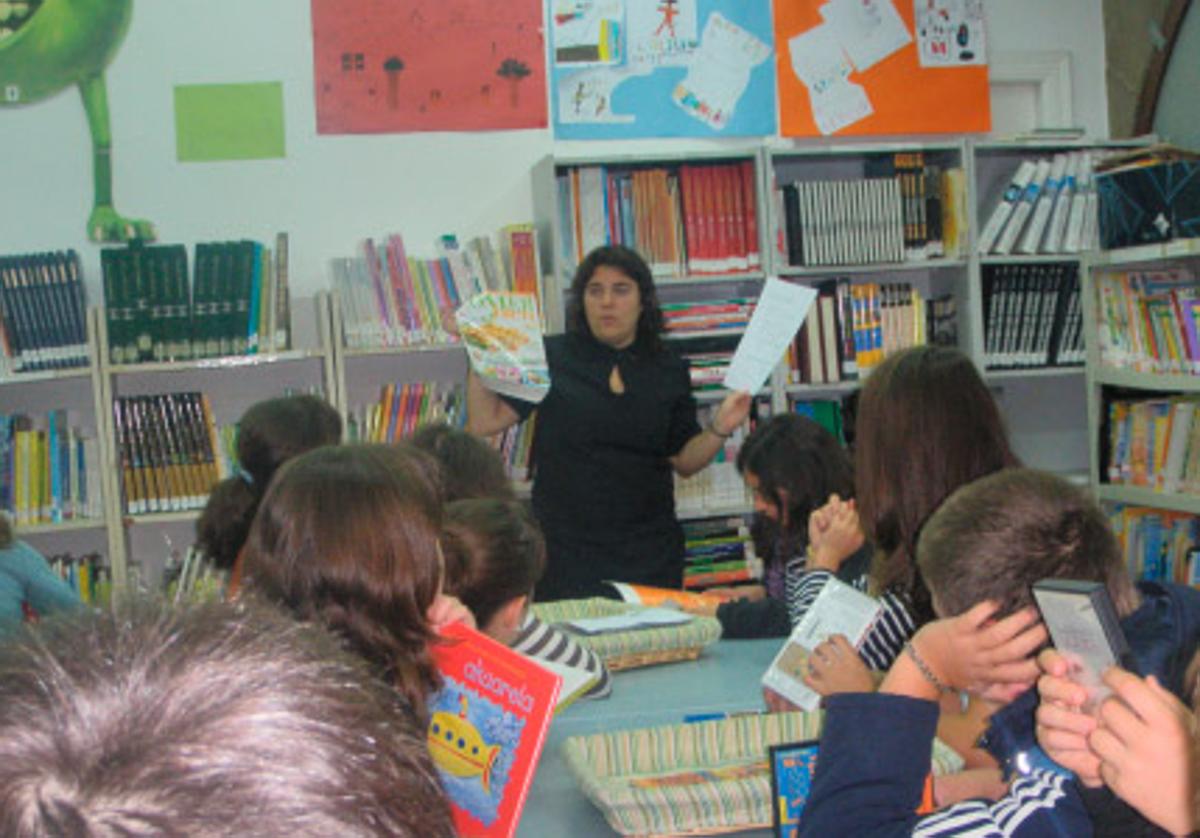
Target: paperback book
(487,728)
(503,336)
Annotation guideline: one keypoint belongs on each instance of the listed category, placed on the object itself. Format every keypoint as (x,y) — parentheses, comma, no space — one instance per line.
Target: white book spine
(1022,211)
(1012,194)
(1045,203)
(1062,206)
(1073,240)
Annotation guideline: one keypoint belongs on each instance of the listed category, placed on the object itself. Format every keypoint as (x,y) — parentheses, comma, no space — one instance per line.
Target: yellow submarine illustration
(457,747)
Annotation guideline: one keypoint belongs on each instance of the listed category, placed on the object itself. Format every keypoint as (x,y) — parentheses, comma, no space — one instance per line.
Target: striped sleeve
(801,587)
(886,638)
(1040,804)
(543,641)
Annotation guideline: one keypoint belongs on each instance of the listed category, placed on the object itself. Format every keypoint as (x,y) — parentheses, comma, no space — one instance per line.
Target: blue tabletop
(726,678)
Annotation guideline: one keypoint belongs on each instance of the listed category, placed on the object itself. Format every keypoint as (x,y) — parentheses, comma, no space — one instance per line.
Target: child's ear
(512,613)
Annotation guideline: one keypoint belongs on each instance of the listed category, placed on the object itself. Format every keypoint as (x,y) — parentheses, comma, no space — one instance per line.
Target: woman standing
(619,418)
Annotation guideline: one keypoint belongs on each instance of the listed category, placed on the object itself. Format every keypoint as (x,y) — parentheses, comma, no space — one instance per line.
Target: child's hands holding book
(446,610)
(1062,725)
(835,667)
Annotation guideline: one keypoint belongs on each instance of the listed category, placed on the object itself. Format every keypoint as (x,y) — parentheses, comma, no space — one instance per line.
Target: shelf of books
(186,345)
(695,218)
(1141,306)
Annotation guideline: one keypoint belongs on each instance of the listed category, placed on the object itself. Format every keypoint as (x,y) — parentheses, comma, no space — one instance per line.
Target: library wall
(331,191)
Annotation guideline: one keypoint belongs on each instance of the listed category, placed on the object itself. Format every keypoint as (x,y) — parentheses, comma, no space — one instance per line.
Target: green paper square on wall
(229,121)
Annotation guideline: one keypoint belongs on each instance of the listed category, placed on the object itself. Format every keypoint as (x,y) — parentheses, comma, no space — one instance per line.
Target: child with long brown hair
(347,536)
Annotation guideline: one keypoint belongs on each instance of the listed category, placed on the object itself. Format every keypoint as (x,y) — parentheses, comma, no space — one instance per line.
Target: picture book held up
(487,727)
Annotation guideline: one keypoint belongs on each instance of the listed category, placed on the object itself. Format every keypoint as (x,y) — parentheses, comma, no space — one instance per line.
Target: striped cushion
(700,632)
(719,776)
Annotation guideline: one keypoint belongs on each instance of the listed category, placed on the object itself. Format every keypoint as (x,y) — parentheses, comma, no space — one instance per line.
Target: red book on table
(487,727)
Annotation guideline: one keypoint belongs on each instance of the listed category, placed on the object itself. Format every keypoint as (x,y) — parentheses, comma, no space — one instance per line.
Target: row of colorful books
(717,551)
(707,315)
(1157,544)
(87,575)
(1155,444)
(719,486)
(825,412)
(1148,320)
(515,447)
(43,319)
(390,298)
(235,301)
(1049,206)
(49,469)
(901,211)
(1032,315)
(403,407)
(852,327)
(170,451)
(695,218)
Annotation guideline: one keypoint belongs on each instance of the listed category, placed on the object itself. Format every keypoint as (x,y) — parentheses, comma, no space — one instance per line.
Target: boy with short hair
(979,554)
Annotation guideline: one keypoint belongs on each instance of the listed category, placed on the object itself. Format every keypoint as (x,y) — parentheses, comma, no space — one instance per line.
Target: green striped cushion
(611,769)
(700,632)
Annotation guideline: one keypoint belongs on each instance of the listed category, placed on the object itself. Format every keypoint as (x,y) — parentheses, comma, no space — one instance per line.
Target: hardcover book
(487,727)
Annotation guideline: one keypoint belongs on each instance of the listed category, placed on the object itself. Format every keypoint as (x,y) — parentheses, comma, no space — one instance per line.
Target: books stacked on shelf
(516,448)
(390,298)
(43,321)
(1158,545)
(1049,206)
(169,451)
(405,406)
(1154,443)
(707,334)
(1148,319)
(49,469)
(235,303)
(689,219)
(901,211)
(717,551)
(87,575)
(719,486)
(1032,315)
(852,327)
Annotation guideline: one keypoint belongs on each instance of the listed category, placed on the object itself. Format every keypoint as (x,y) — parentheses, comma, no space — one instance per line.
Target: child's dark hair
(648,337)
(794,457)
(494,553)
(926,425)
(470,467)
(269,434)
(347,536)
(993,538)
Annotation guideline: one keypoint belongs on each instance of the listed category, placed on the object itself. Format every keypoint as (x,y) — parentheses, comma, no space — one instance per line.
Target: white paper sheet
(719,71)
(950,33)
(638,618)
(818,59)
(781,309)
(869,30)
(839,105)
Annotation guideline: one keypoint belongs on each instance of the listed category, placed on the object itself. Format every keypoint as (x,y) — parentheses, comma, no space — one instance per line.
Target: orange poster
(857,67)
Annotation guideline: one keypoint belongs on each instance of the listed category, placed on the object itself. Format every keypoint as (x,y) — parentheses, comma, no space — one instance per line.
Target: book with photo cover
(487,728)
(503,335)
(838,609)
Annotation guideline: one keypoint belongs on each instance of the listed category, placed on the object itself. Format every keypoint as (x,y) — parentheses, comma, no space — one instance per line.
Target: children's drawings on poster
(428,65)
(868,30)
(618,63)
(950,33)
(719,71)
(819,61)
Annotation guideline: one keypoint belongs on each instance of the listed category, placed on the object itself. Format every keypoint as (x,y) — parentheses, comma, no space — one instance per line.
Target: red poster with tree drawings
(383,66)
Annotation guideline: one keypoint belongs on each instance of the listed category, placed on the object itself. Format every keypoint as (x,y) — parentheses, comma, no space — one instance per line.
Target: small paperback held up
(503,336)
(838,609)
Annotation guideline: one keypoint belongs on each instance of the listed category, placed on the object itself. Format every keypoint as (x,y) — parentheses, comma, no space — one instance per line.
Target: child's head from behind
(792,464)
(993,538)
(926,425)
(495,554)
(270,433)
(470,467)
(348,536)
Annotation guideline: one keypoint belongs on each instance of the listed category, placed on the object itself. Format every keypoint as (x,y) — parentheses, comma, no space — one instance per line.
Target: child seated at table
(494,556)
(1141,746)
(979,554)
(347,537)
(793,466)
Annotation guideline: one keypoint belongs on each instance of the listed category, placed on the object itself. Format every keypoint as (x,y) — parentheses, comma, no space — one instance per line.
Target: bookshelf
(211,393)
(1142,381)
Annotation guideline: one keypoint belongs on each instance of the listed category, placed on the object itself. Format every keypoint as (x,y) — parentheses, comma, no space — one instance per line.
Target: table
(726,678)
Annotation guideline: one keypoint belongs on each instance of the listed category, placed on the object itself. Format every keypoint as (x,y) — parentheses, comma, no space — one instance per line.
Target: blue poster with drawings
(624,69)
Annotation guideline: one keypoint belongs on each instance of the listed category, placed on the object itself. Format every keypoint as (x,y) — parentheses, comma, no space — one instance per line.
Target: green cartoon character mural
(48,45)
